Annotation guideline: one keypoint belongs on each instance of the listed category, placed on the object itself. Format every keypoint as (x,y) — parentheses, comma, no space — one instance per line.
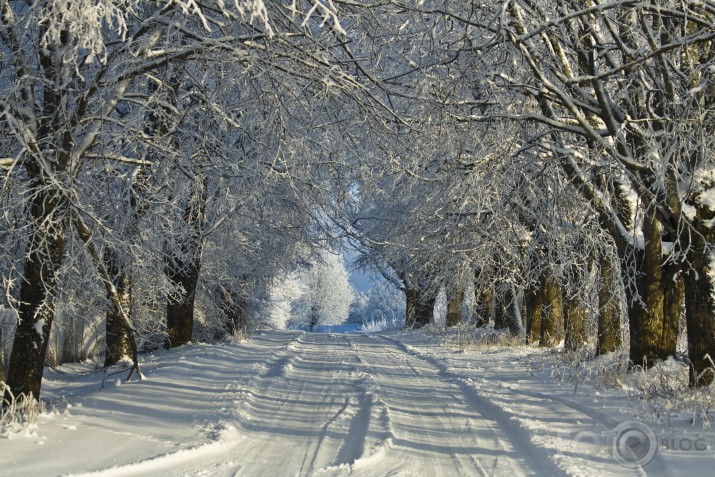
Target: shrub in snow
(20,414)
(382,323)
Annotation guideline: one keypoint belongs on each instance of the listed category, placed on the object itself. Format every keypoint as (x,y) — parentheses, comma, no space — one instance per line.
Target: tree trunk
(575,323)
(180,306)
(425,310)
(552,317)
(46,164)
(484,307)
(2,356)
(233,309)
(609,312)
(117,336)
(700,301)
(411,297)
(505,314)
(38,289)
(673,283)
(533,299)
(313,317)
(420,308)
(184,273)
(645,313)
(454,308)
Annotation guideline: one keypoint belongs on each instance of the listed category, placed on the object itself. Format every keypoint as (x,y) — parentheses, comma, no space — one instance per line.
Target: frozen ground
(294,403)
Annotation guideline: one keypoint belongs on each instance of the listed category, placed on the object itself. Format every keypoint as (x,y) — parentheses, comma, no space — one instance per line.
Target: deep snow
(295,403)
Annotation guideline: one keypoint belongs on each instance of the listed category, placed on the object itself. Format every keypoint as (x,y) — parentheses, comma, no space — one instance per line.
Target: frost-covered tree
(628,89)
(328,293)
(318,292)
(92,89)
(381,301)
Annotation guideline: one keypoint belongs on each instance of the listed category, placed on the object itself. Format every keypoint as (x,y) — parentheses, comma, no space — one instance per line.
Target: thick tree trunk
(184,274)
(645,313)
(533,299)
(425,310)
(454,308)
(420,308)
(37,294)
(575,323)
(552,316)
(46,163)
(505,313)
(117,336)
(609,311)
(484,307)
(673,283)
(180,306)
(700,302)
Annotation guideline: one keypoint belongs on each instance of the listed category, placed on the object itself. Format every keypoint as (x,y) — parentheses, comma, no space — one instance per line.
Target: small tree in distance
(319,294)
(329,295)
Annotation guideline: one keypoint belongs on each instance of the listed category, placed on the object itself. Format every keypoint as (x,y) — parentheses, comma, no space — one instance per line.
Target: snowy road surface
(292,404)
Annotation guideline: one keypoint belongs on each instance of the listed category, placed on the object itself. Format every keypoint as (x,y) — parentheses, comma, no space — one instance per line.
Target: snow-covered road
(291,403)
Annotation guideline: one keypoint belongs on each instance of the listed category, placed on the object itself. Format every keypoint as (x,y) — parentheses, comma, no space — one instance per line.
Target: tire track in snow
(304,404)
(489,441)
(302,409)
(512,401)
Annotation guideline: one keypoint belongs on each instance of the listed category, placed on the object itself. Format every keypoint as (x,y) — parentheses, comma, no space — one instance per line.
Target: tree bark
(645,313)
(609,312)
(411,296)
(117,336)
(505,314)
(700,301)
(425,310)
(420,308)
(184,273)
(575,323)
(673,283)
(533,299)
(180,306)
(552,317)
(46,167)
(2,356)
(484,308)
(454,308)
(37,293)
(85,234)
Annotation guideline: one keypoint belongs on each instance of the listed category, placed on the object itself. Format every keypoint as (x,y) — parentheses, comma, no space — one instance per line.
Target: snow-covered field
(294,403)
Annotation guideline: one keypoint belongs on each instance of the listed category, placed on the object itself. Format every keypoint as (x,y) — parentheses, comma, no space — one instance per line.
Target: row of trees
(564,151)
(554,157)
(160,152)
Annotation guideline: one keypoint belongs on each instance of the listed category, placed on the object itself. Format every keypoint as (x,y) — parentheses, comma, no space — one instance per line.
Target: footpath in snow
(294,404)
